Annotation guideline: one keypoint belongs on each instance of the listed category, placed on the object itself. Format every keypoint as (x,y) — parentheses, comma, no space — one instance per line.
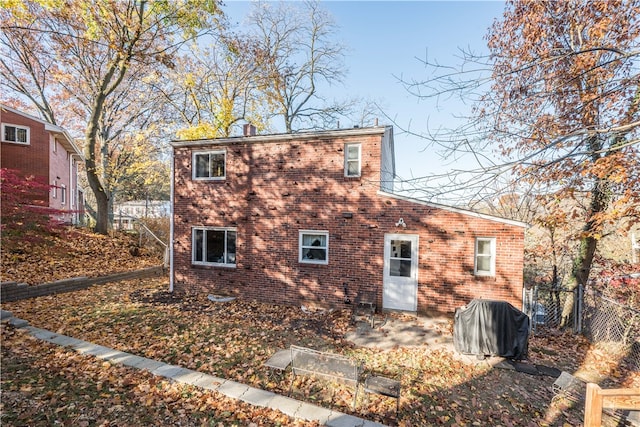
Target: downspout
(73,190)
(171,199)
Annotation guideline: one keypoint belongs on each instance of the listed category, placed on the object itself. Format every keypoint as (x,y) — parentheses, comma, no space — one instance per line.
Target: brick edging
(13,291)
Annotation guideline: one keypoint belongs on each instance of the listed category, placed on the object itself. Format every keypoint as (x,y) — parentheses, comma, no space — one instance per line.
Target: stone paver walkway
(235,390)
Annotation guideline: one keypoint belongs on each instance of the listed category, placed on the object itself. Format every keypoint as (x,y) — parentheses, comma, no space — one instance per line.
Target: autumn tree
(214,86)
(301,57)
(77,55)
(561,114)
(143,173)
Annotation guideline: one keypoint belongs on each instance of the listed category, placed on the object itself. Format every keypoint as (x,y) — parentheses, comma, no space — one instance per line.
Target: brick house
(311,218)
(37,148)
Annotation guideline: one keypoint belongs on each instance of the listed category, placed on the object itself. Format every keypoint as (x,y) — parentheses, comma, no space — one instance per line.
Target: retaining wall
(13,291)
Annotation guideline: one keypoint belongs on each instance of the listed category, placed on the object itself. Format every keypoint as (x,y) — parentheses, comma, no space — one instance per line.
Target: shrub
(24,205)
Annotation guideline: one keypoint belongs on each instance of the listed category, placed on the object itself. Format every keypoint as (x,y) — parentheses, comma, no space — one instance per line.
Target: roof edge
(281,137)
(456,210)
(49,127)
(61,131)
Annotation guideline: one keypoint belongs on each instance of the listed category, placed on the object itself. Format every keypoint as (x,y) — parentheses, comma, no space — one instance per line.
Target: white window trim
(204,246)
(27,128)
(492,268)
(346,160)
(303,260)
(63,194)
(54,189)
(208,178)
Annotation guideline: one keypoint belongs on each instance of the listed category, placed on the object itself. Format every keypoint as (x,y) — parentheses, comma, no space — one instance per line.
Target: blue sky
(384,40)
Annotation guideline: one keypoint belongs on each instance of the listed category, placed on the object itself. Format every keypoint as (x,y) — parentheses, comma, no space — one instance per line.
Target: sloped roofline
(279,137)
(456,210)
(67,140)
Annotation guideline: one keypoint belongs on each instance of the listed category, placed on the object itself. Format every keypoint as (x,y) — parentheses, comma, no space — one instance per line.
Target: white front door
(400,278)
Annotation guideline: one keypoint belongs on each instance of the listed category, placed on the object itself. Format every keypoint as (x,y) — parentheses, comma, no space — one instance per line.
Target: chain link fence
(600,319)
(551,307)
(608,321)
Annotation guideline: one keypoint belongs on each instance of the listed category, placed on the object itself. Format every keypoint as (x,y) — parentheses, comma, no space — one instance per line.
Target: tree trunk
(102,199)
(600,197)
(102,214)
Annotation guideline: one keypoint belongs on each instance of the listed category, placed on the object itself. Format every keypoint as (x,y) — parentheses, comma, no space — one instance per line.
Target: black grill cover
(491,328)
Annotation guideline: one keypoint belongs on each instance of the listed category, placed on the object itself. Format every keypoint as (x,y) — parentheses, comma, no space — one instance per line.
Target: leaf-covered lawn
(233,340)
(71,252)
(45,385)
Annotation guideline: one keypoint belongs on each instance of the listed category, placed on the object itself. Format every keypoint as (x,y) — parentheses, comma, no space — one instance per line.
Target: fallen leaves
(233,340)
(71,252)
(47,385)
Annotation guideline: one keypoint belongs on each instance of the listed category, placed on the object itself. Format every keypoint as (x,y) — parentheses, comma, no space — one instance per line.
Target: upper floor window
(214,246)
(352,159)
(314,247)
(485,256)
(16,134)
(209,165)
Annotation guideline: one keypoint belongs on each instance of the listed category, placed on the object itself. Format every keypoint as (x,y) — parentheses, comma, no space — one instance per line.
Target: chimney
(249,130)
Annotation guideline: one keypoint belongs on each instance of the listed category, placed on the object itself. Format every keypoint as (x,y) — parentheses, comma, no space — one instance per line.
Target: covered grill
(491,328)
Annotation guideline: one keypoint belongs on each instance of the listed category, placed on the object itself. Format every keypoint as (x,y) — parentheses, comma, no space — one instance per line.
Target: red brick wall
(59,173)
(274,189)
(39,159)
(32,159)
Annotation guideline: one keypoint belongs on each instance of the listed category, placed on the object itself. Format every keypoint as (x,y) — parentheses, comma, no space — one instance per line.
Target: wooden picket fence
(598,399)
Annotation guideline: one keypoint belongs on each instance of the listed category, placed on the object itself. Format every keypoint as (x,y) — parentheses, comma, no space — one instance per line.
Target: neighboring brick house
(310,218)
(37,148)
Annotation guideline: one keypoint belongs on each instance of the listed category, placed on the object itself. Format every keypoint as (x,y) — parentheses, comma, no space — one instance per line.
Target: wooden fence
(616,398)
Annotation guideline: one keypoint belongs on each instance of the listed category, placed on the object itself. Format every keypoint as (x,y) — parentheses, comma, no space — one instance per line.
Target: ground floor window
(485,256)
(214,246)
(314,247)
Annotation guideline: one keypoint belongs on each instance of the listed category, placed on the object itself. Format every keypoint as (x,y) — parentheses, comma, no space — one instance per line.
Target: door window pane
(401,249)
(400,260)
(400,268)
